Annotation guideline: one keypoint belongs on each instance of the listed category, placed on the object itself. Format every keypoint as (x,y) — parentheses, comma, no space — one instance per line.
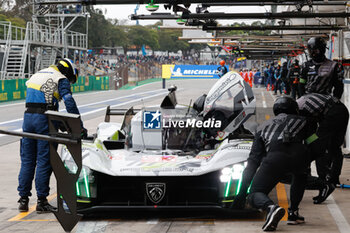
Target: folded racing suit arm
(66,94)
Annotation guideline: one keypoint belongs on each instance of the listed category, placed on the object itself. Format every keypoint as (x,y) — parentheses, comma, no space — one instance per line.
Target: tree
(98,27)
(139,36)
(169,41)
(117,36)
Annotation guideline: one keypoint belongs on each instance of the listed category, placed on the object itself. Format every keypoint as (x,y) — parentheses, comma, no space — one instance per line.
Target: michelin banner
(190,71)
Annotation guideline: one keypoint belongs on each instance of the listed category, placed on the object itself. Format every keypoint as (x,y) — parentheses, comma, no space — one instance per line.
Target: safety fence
(142,71)
(15,89)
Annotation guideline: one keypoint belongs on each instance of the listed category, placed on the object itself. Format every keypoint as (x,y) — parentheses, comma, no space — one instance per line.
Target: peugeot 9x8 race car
(169,156)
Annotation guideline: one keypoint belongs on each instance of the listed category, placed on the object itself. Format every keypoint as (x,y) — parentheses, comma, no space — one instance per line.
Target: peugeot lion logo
(155,191)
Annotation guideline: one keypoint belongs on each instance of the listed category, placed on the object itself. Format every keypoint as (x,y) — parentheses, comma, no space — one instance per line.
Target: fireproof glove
(84,133)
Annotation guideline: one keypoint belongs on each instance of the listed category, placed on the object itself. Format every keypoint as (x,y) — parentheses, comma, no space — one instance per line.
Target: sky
(122,12)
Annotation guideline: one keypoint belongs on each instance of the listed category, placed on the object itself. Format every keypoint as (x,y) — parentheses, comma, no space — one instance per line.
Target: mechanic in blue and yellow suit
(44,90)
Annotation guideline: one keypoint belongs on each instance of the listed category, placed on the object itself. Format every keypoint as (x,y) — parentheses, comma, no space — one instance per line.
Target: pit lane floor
(331,216)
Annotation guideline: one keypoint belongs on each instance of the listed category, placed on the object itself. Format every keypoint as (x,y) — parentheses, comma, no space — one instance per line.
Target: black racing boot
(23,204)
(324,193)
(274,215)
(294,218)
(43,206)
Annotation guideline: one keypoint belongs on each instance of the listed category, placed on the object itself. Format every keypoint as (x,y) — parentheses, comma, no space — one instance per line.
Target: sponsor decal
(150,159)
(219,90)
(169,158)
(157,159)
(190,71)
(191,123)
(204,157)
(239,146)
(155,192)
(151,119)
(155,120)
(220,136)
(115,157)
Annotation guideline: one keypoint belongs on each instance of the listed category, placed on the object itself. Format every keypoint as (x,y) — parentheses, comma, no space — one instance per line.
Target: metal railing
(40,33)
(76,39)
(6,27)
(37,34)
(18,33)
(24,54)
(43,34)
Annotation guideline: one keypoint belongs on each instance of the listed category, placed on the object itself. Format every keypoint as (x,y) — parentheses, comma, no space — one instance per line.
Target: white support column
(346,101)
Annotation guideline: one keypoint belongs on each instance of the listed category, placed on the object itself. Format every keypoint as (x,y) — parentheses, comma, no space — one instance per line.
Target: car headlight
(85,186)
(231,176)
(71,166)
(232,173)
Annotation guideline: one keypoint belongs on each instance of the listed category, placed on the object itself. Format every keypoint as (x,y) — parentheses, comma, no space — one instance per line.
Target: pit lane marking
(282,199)
(337,215)
(20,216)
(272,96)
(137,87)
(22,102)
(263,99)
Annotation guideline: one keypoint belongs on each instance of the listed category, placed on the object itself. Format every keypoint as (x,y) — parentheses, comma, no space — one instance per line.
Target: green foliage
(21,9)
(139,35)
(14,20)
(241,32)
(134,36)
(98,27)
(168,41)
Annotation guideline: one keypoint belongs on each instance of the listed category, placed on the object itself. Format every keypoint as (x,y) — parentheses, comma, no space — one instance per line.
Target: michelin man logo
(176,73)
(151,120)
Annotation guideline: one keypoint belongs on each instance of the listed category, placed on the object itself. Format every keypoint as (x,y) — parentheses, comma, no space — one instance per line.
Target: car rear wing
(118,112)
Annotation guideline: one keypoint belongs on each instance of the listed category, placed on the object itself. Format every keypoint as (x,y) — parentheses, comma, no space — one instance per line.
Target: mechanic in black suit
(278,149)
(324,76)
(332,118)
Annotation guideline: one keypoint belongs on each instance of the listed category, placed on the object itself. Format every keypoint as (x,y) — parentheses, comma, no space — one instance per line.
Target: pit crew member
(332,118)
(277,149)
(44,90)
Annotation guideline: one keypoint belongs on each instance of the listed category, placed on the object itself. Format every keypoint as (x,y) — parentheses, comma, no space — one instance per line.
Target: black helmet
(68,69)
(316,47)
(285,105)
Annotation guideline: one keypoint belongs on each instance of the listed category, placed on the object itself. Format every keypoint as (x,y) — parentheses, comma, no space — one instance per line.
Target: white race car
(169,156)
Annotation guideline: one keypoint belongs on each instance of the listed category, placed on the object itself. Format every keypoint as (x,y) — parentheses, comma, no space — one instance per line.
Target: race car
(171,155)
